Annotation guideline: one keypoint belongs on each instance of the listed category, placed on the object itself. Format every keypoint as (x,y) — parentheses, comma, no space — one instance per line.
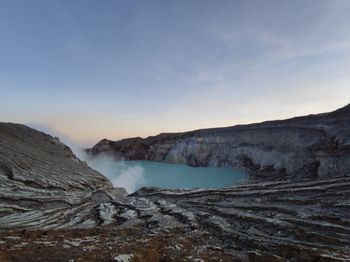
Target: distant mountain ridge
(313,146)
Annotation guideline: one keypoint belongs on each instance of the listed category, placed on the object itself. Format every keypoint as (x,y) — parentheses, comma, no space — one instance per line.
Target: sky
(115,68)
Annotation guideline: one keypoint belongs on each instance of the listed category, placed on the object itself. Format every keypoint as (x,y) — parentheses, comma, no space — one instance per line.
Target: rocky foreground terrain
(53,207)
(314,146)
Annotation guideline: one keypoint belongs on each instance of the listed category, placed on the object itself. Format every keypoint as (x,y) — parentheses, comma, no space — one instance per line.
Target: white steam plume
(120,174)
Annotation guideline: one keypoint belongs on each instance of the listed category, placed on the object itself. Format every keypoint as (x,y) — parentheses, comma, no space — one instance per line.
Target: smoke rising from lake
(120,174)
(132,175)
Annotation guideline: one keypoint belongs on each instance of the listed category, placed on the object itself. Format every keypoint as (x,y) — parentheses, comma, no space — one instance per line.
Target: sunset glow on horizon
(114,69)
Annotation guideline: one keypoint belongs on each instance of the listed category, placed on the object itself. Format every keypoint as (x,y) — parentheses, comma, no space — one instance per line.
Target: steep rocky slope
(314,146)
(39,175)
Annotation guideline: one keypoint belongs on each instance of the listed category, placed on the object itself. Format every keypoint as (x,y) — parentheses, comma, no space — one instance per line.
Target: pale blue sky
(94,69)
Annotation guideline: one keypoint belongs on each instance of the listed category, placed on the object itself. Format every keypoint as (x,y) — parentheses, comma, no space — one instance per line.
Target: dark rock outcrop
(314,146)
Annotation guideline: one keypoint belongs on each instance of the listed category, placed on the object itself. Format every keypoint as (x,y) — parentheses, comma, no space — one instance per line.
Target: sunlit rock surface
(314,146)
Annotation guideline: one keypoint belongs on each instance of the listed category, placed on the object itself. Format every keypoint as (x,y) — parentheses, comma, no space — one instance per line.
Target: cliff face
(314,146)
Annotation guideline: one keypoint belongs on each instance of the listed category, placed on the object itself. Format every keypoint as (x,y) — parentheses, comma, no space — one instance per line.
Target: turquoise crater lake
(136,174)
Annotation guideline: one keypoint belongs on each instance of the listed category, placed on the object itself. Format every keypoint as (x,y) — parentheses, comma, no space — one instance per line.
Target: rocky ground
(109,244)
(53,207)
(278,221)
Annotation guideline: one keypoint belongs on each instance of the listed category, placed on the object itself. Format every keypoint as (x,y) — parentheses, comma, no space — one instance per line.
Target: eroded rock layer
(296,220)
(314,146)
(39,175)
(276,221)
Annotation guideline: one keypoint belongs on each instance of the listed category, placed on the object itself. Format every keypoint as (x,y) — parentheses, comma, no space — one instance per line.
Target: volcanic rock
(313,146)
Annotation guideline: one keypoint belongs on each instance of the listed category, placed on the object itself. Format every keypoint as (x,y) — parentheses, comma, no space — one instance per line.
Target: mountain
(53,207)
(313,146)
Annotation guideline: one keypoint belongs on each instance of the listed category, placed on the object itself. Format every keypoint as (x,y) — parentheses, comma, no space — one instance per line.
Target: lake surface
(135,174)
